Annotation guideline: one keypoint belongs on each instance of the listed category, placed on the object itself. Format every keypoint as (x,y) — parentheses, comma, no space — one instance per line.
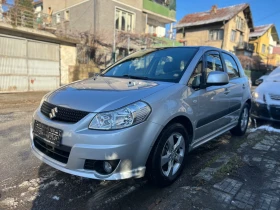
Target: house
(32,59)
(227,28)
(276,49)
(265,38)
(107,17)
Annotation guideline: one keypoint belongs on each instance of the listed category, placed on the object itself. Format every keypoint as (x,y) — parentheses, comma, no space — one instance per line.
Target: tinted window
(232,69)
(154,64)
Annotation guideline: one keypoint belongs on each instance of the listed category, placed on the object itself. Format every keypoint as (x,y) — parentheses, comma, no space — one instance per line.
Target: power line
(267,16)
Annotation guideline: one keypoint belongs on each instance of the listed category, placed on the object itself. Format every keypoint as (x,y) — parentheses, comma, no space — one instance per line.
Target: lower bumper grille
(260,110)
(60,153)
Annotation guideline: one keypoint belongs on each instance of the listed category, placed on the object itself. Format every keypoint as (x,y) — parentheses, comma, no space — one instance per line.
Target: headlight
(255,95)
(259,97)
(122,118)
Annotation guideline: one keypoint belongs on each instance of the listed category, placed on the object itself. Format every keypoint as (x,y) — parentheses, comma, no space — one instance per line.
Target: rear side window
(232,68)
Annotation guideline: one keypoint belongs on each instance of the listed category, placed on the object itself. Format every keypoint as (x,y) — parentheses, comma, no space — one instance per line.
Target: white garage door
(28,65)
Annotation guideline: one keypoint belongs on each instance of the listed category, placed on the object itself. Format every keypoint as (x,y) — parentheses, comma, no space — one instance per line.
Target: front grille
(275,97)
(63,114)
(275,112)
(59,153)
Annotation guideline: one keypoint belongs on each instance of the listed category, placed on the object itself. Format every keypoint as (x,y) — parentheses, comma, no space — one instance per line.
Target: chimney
(214,9)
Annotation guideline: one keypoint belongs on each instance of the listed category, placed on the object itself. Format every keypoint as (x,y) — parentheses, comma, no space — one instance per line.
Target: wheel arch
(185,121)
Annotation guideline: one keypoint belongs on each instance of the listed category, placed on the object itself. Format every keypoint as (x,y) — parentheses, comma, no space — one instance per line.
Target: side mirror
(217,78)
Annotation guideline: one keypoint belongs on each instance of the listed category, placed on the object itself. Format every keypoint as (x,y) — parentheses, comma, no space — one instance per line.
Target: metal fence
(18,15)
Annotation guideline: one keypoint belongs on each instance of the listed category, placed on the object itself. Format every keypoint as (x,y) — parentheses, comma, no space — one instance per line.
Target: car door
(236,86)
(213,103)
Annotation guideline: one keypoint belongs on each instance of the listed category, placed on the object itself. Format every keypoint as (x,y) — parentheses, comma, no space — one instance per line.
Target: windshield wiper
(135,77)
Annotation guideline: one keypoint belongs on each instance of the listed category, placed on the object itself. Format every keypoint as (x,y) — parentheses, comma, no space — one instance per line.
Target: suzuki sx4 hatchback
(143,114)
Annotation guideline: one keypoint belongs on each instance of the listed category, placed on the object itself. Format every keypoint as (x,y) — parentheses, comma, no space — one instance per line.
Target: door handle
(227,91)
(243,86)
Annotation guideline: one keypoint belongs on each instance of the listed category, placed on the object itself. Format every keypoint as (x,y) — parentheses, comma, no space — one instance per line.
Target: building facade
(227,28)
(265,39)
(103,16)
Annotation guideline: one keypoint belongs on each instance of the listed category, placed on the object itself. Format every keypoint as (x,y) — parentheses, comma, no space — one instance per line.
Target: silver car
(143,114)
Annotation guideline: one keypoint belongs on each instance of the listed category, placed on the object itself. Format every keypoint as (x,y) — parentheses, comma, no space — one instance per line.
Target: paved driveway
(26,183)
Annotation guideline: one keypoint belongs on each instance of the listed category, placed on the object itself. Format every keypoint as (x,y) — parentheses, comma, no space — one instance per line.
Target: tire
(166,163)
(243,121)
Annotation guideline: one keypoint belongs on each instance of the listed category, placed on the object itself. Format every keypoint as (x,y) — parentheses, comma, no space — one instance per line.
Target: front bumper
(265,111)
(131,146)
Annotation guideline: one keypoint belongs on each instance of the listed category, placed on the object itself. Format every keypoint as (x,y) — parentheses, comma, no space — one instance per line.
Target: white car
(266,98)
(261,79)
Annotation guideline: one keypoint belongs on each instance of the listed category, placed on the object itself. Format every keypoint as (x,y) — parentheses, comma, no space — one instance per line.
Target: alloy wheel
(244,118)
(173,154)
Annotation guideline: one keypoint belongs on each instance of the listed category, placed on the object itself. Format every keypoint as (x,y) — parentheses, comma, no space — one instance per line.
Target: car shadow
(58,190)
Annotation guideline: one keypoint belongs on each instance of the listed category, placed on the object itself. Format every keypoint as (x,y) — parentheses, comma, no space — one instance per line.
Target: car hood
(104,93)
(269,87)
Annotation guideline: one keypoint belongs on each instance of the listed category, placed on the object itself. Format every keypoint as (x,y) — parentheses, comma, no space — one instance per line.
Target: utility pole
(1,12)
(114,40)
(128,43)
(94,17)
(267,57)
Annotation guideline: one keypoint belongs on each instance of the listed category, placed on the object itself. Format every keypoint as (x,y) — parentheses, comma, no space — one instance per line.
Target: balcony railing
(245,46)
(161,9)
(21,16)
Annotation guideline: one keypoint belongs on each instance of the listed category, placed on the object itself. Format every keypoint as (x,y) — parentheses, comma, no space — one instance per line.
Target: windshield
(167,64)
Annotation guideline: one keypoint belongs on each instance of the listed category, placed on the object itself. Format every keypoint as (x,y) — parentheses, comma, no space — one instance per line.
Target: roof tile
(202,18)
(260,30)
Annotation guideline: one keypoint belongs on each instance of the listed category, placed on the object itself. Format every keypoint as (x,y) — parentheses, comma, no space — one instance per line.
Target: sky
(263,11)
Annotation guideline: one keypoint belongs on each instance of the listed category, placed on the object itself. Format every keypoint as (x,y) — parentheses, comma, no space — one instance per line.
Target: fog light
(107,167)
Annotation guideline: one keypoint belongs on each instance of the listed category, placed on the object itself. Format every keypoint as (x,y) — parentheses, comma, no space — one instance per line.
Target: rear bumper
(265,112)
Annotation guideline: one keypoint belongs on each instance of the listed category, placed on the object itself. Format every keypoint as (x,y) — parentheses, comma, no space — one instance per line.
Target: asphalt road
(27,183)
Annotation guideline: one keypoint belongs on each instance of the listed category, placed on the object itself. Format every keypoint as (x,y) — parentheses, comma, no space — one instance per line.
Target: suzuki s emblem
(53,113)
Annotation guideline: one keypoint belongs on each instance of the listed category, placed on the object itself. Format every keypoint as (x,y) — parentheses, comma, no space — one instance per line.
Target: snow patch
(265,128)
(55,198)
(10,202)
(8,188)
(54,183)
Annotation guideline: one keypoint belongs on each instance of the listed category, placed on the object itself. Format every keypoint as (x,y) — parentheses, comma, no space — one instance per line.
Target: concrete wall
(80,16)
(68,55)
(106,18)
(58,5)
(83,71)
(135,3)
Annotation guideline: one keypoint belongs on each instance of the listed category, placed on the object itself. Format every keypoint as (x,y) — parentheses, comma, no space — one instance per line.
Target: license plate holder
(49,134)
